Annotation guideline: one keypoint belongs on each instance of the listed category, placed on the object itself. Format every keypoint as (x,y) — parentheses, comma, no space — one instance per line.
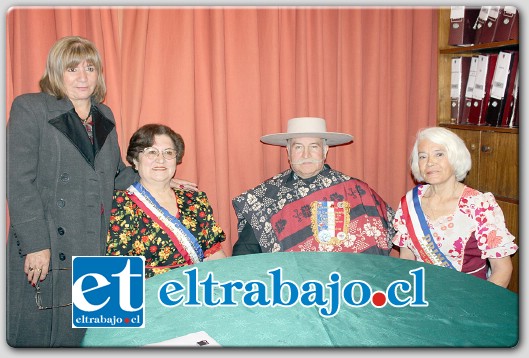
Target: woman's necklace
(85,121)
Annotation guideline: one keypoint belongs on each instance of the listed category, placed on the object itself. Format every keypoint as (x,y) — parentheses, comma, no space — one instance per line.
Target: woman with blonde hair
(63,163)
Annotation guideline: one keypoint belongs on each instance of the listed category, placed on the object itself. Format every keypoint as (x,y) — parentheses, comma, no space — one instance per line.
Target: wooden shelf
(479,128)
(446,53)
(494,150)
(492,47)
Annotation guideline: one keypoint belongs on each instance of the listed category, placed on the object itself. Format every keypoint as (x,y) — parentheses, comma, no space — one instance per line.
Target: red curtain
(223,77)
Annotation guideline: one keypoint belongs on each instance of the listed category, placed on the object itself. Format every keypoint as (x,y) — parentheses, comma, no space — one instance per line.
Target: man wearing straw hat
(311,207)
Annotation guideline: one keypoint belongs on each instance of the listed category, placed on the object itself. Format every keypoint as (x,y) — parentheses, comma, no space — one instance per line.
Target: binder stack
(470,89)
(507,28)
(462,21)
(489,28)
(481,92)
(458,85)
(501,91)
(480,22)
(512,119)
(484,83)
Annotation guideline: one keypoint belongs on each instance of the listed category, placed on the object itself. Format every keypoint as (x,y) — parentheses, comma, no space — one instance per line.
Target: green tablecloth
(463,311)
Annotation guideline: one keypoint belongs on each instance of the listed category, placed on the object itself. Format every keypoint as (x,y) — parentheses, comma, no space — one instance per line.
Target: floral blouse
(476,228)
(133,233)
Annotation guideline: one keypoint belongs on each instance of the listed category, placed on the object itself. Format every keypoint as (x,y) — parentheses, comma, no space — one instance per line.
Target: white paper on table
(196,339)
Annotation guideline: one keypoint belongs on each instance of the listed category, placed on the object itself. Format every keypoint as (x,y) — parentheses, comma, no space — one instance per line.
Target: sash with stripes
(419,231)
(184,241)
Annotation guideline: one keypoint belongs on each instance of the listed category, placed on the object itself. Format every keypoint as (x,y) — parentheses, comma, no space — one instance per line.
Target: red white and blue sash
(419,231)
(330,221)
(184,241)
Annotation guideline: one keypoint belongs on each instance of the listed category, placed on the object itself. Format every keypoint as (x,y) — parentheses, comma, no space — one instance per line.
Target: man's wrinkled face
(307,156)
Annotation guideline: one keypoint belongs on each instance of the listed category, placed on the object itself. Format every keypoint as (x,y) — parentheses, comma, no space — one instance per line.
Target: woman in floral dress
(446,223)
(171,227)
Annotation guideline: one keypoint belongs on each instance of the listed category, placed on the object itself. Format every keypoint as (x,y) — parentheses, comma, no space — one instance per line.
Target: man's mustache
(307,161)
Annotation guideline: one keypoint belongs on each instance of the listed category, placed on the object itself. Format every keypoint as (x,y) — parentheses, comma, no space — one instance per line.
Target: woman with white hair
(446,223)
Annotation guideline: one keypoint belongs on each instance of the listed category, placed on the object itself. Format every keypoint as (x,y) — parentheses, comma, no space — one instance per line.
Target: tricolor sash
(330,221)
(419,231)
(184,241)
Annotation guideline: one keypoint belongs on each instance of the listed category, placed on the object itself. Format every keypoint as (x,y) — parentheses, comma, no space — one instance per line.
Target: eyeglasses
(152,153)
(38,298)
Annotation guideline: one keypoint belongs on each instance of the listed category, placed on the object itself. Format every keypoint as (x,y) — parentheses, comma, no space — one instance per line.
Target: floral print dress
(475,232)
(133,233)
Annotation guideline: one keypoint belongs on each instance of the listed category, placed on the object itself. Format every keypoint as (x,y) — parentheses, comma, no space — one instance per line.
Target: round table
(461,311)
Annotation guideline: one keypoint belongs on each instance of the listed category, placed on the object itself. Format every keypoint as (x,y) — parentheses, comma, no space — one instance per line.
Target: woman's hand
(36,266)
(407,254)
(501,270)
(183,184)
(217,255)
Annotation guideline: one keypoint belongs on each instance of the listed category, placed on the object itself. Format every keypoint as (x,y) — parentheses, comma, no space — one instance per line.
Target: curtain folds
(223,77)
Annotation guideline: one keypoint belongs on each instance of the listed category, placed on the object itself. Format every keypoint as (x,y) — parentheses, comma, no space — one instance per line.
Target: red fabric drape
(223,77)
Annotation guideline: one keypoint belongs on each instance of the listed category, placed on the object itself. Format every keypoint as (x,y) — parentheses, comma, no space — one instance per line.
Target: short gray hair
(457,152)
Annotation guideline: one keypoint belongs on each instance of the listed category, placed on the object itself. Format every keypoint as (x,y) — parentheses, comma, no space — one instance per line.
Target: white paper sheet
(196,339)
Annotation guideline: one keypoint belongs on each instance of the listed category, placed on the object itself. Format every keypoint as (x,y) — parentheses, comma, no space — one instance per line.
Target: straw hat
(307,127)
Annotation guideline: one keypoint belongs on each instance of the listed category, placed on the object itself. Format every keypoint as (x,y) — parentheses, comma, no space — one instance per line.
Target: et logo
(108,291)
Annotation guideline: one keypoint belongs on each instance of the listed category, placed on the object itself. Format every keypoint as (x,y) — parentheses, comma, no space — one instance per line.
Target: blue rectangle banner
(108,291)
